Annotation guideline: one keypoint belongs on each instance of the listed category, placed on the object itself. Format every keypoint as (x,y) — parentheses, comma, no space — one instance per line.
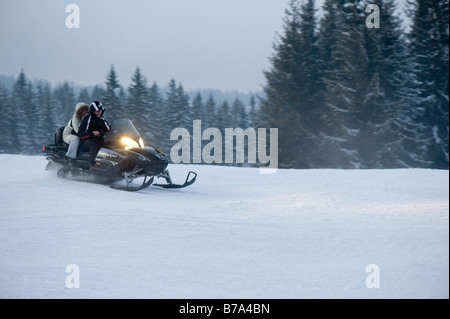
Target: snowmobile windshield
(124,131)
(124,127)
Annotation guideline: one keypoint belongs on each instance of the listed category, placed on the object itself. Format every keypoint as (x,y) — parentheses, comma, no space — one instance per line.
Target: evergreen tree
(429,38)
(209,118)
(197,107)
(177,107)
(369,109)
(388,94)
(185,107)
(291,90)
(155,114)
(255,121)
(7,121)
(40,135)
(309,63)
(346,81)
(198,113)
(110,98)
(239,116)
(21,107)
(65,103)
(173,116)
(84,96)
(177,111)
(326,42)
(97,93)
(223,117)
(47,118)
(253,117)
(138,101)
(123,98)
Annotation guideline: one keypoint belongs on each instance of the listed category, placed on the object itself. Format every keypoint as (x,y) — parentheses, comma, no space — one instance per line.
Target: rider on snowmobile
(70,133)
(92,130)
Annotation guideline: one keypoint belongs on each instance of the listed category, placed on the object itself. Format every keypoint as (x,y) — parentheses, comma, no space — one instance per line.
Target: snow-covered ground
(233,234)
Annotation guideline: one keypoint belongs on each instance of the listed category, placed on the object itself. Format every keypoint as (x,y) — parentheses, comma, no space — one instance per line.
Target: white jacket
(72,126)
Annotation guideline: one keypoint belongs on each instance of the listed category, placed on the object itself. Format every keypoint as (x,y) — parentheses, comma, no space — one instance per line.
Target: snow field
(233,234)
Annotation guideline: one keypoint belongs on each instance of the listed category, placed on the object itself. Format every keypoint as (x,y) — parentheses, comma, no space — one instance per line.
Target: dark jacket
(91,123)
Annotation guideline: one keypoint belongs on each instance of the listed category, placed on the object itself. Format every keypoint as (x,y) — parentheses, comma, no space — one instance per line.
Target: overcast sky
(221,44)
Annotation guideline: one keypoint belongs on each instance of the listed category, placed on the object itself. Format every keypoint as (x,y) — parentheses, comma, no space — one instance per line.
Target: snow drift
(233,234)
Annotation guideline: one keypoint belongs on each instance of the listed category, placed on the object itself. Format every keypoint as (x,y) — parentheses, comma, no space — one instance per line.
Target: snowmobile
(124,157)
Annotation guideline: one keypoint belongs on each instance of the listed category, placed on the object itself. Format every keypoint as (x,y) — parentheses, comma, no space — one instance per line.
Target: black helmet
(95,106)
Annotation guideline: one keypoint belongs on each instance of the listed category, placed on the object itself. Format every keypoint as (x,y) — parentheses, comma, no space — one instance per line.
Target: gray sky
(223,44)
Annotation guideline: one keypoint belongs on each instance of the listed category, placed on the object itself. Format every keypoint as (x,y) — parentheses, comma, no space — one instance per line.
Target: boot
(91,168)
(73,163)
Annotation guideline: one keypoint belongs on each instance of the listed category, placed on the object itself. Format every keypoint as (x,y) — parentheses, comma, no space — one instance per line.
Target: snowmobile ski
(130,188)
(170,184)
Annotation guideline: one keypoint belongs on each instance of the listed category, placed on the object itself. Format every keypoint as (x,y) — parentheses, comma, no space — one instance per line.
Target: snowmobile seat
(59,137)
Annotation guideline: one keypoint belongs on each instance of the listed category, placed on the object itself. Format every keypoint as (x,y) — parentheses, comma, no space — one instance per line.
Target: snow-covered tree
(429,38)
(7,121)
(292,86)
(110,98)
(22,106)
(197,107)
(45,122)
(389,95)
(84,96)
(209,118)
(154,114)
(138,101)
(345,83)
(65,103)
(238,115)
(177,111)
(253,117)
(224,115)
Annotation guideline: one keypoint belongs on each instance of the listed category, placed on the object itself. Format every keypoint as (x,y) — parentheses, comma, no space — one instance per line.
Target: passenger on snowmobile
(70,133)
(92,130)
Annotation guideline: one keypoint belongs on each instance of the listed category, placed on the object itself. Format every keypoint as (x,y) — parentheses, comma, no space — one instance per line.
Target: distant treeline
(32,110)
(343,91)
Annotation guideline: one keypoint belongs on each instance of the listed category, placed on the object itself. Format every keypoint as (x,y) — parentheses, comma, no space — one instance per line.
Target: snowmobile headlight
(129,143)
(141,142)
